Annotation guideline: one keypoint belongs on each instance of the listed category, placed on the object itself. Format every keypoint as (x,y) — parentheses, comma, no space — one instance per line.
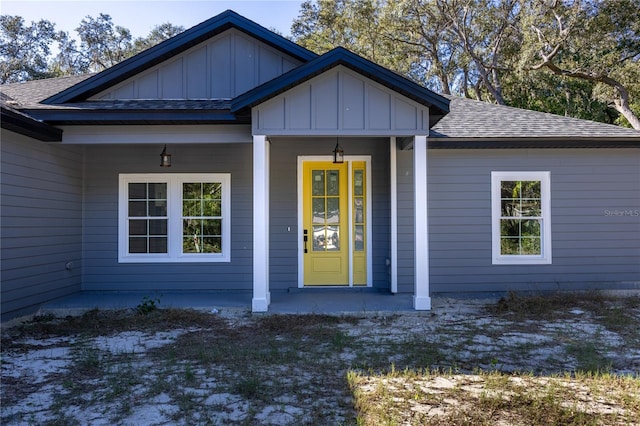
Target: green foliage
(487,49)
(26,50)
(148,305)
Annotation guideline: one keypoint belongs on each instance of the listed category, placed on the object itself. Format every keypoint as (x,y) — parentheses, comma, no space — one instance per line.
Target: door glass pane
(359,238)
(333,182)
(317,178)
(318,210)
(358,182)
(319,238)
(333,210)
(358,213)
(333,238)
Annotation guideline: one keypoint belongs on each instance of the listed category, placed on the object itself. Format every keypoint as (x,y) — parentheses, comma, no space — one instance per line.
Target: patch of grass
(434,398)
(588,357)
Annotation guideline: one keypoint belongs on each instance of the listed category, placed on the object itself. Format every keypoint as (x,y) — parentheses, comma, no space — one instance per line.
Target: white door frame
(349,159)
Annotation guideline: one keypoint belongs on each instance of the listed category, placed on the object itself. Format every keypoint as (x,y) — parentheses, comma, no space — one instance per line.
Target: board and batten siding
(41,232)
(102,271)
(595,220)
(220,68)
(340,102)
(284,203)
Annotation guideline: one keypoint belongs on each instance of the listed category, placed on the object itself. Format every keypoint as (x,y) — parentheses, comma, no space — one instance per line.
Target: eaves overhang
(438,105)
(121,116)
(23,124)
(173,46)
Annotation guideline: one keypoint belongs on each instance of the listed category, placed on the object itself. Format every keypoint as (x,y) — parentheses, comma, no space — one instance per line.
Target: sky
(140,16)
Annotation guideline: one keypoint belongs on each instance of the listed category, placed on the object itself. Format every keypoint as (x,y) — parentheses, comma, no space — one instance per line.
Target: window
(521,217)
(174,218)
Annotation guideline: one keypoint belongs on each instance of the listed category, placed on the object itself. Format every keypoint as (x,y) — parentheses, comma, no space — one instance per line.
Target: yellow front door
(334,223)
(325,221)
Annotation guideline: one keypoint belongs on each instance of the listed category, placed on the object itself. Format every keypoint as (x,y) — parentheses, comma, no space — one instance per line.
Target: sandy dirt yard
(166,366)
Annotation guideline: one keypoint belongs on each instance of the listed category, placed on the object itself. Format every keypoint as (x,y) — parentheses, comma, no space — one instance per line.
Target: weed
(148,305)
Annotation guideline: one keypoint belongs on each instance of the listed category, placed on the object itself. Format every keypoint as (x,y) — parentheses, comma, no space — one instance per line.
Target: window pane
(510,189)
(530,246)
(333,210)
(318,210)
(212,227)
(359,238)
(157,245)
(158,208)
(191,191)
(191,208)
(358,210)
(531,208)
(137,227)
(319,238)
(137,191)
(137,208)
(317,178)
(212,191)
(212,208)
(510,208)
(137,244)
(158,227)
(510,228)
(191,227)
(212,245)
(157,191)
(358,182)
(333,237)
(509,246)
(191,244)
(530,228)
(531,189)
(333,182)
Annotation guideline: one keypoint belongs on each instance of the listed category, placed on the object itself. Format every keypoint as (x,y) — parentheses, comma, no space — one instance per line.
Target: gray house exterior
(436,194)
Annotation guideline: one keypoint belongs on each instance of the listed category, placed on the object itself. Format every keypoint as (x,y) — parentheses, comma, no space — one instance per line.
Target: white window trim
(174,225)
(545,222)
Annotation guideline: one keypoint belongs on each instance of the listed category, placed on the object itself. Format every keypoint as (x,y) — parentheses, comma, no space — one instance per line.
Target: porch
(294,301)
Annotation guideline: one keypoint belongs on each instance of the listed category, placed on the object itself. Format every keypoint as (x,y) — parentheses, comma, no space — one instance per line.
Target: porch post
(421,298)
(393,148)
(261,295)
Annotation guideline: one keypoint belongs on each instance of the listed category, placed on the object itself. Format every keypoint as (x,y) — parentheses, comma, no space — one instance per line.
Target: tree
(24,49)
(594,41)
(158,34)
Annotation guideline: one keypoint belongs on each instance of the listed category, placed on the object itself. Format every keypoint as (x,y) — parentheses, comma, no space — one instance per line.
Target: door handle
(305,238)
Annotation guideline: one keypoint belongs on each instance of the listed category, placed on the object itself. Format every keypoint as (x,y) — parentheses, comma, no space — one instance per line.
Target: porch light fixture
(338,153)
(165,158)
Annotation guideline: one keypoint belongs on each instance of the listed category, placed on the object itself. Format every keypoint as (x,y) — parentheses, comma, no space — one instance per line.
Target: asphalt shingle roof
(480,120)
(467,119)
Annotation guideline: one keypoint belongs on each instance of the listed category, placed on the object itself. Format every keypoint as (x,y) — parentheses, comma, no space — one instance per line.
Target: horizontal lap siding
(591,248)
(102,270)
(284,203)
(41,232)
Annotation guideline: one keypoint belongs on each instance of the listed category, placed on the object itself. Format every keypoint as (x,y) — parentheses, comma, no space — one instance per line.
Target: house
(429,194)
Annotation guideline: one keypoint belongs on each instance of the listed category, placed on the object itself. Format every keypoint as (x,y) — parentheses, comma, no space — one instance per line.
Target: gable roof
(173,46)
(439,105)
(479,124)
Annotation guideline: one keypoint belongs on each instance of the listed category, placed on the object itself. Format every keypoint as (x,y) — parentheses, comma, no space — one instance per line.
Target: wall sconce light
(338,154)
(165,158)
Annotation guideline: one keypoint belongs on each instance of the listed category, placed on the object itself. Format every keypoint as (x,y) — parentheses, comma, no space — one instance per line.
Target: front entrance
(335,223)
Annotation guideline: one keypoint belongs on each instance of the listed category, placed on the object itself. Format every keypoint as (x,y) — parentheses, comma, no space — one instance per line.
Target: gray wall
(284,245)
(220,68)
(102,270)
(104,163)
(41,198)
(592,247)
